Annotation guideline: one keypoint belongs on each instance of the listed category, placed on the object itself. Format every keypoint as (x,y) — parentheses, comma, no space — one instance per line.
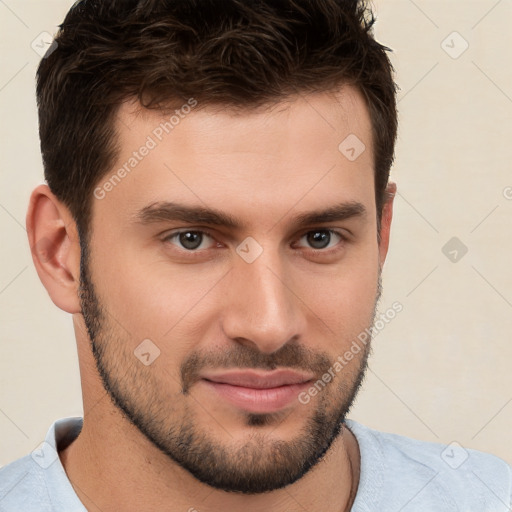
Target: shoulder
(22,486)
(451,475)
(38,481)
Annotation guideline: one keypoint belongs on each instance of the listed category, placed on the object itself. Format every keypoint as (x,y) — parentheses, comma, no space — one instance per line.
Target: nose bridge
(262,309)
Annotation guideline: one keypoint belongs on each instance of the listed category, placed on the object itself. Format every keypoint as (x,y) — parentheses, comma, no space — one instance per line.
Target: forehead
(315,116)
(299,151)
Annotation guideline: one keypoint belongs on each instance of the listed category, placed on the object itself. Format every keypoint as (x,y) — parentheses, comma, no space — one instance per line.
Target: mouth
(258,392)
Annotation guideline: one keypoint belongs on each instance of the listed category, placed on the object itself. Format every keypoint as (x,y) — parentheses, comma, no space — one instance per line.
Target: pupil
(319,239)
(190,240)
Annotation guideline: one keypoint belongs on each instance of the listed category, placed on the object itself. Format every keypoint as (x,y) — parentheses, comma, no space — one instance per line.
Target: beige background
(441,369)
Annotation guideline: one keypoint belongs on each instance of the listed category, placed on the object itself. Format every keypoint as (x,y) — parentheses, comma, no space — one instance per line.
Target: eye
(320,239)
(189,240)
(196,240)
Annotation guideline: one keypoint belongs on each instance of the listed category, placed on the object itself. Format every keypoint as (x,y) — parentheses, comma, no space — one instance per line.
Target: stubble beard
(262,463)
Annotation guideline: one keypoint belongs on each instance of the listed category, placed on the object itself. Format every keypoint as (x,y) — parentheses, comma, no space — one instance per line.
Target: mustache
(289,356)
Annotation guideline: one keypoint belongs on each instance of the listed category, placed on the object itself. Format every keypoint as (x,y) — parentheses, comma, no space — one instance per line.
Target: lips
(257,391)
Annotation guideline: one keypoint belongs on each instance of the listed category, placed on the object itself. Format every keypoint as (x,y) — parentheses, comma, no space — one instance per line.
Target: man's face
(206,333)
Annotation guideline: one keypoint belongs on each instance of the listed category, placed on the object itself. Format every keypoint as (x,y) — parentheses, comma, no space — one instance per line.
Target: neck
(113,467)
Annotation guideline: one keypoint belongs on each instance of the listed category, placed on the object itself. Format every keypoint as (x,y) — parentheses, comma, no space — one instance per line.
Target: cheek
(343,299)
(150,298)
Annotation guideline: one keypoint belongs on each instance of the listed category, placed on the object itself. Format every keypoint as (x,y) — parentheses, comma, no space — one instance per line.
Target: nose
(261,308)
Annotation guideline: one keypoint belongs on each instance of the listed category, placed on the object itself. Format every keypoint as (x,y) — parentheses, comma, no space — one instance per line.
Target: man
(216,220)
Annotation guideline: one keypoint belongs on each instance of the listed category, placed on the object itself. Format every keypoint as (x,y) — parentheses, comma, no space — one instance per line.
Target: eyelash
(193,252)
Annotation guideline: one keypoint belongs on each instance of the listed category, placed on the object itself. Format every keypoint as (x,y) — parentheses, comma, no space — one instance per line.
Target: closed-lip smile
(257,391)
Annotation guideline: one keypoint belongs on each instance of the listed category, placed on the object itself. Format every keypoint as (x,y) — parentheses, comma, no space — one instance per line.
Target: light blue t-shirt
(398,474)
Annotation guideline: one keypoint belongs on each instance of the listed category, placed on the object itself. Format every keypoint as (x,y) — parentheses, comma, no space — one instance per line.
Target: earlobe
(385,225)
(55,248)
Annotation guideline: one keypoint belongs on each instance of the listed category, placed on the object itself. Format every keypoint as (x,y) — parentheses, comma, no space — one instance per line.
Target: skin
(263,167)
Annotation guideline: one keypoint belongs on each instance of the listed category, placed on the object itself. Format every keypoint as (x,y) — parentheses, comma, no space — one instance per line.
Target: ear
(55,248)
(385,224)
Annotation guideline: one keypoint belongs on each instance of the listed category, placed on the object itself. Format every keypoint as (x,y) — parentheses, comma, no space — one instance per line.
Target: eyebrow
(171,211)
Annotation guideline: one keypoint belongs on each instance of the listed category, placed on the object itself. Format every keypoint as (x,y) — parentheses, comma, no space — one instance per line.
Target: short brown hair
(236,53)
